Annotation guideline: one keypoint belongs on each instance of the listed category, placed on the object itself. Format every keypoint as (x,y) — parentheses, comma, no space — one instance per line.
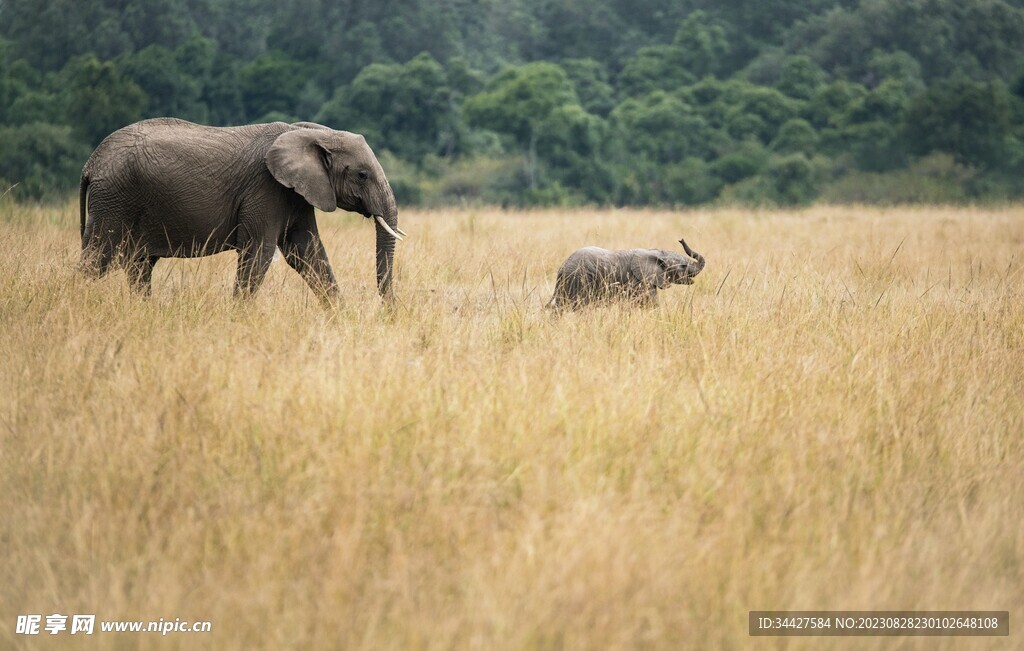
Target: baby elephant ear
(650,269)
(297,159)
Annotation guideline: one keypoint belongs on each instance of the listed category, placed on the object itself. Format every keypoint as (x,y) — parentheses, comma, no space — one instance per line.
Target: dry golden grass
(830,418)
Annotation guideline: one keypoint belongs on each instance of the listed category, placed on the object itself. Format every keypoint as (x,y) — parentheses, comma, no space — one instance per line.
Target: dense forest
(540,102)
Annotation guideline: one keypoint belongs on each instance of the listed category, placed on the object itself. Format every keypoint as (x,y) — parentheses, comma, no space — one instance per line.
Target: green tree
(795,136)
(752,25)
(662,128)
(832,101)
(656,67)
(28,95)
(463,78)
(590,80)
(49,34)
(36,106)
(686,182)
(7,89)
(703,44)
(196,57)
(759,112)
(714,98)
(743,161)
(408,109)
(99,99)
(156,22)
(295,34)
(362,44)
(580,29)
(740,83)
(869,129)
(43,159)
(271,83)
(898,66)
(223,92)
(980,38)
(792,178)
(570,141)
(517,101)
(171,92)
(969,119)
(690,182)
(800,78)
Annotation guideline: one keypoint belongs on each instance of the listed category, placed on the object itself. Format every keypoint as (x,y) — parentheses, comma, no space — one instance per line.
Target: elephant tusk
(384,225)
(401,232)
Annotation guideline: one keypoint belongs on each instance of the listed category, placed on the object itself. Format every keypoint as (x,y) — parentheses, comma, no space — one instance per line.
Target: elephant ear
(649,268)
(297,159)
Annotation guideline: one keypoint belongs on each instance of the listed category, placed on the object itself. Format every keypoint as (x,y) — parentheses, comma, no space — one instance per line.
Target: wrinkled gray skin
(168,188)
(593,274)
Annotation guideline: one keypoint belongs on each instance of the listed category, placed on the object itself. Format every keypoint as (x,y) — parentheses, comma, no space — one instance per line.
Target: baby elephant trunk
(694,270)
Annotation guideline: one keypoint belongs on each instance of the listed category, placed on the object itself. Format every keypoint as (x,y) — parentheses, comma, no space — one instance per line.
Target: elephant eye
(362,175)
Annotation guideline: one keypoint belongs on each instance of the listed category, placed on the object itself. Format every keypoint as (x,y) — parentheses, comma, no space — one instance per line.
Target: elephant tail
(83,204)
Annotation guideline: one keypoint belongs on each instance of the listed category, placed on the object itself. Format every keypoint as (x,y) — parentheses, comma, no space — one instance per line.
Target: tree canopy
(642,102)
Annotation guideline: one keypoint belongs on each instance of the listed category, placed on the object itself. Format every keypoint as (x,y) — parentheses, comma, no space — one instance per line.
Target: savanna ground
(830,418)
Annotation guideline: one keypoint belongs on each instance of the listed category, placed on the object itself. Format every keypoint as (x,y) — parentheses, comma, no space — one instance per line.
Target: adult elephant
(168,188)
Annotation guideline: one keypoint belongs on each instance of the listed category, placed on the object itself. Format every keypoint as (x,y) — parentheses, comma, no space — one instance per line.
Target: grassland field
(829,418)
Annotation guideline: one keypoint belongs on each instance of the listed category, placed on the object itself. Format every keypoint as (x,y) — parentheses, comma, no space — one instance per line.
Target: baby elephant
(594,274)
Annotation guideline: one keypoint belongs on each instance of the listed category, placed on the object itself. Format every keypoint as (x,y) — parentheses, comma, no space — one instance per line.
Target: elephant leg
(253,263)
(140,273)
(573,290)
(96,261)
(558,296)
(557,302)
(648,297)
(305,253)
(107,239)
(99,247)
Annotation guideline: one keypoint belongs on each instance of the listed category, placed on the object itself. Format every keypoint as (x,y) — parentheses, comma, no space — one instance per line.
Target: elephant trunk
(694,269)
(387,229)
(385,261)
